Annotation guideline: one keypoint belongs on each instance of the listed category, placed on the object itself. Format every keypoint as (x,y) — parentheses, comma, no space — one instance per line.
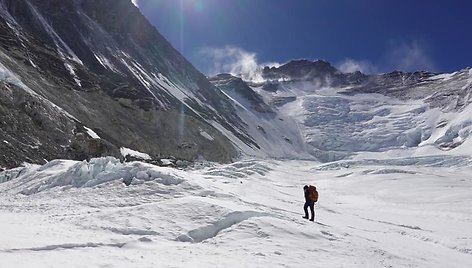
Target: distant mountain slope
(341,114)
(276,134)
(88,78)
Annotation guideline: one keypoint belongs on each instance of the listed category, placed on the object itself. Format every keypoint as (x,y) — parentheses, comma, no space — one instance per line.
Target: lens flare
(181,124)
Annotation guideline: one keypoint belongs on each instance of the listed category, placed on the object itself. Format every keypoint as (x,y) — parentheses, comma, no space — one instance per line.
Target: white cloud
(350,66)
(406,57)
(135,2)
(410,57)
(235,61)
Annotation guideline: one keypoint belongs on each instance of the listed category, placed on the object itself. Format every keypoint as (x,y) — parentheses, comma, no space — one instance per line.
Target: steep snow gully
(373,212)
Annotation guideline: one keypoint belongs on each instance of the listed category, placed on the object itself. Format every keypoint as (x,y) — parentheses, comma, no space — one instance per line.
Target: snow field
(392,213)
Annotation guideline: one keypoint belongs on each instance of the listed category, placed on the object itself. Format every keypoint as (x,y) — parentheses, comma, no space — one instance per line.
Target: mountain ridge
(342,114)
(86,78)
(101,85)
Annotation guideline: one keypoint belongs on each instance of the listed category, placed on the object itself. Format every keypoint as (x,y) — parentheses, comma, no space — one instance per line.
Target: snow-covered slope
(276,134)
(397,212)
(342,114)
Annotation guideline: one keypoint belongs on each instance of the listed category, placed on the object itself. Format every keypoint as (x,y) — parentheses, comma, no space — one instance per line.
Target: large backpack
(312,193)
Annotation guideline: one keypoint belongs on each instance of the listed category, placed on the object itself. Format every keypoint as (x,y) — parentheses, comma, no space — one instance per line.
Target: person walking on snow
(311,196)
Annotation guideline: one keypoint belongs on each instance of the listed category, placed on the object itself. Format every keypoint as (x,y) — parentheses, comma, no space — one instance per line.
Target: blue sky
(368,35)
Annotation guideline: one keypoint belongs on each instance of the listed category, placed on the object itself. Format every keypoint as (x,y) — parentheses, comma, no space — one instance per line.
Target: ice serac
(71,67)
(341,114)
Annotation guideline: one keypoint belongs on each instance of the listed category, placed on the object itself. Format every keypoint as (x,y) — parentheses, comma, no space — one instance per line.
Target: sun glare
(187,8)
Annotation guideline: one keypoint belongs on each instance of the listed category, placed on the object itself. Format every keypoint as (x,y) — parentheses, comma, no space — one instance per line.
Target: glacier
(398,212)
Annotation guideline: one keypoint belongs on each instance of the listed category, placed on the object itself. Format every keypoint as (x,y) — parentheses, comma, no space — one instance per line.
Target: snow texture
(336,124)
(7,76)
(92,133)
(126,151)
(372,212)
(206,135)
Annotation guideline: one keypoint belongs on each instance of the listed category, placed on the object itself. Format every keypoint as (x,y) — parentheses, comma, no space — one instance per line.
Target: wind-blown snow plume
(135,2)
(235,61)
(363,66)
(406,57)
(410,57)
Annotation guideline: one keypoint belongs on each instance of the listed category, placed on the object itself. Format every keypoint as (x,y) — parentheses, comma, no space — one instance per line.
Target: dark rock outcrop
(102,65)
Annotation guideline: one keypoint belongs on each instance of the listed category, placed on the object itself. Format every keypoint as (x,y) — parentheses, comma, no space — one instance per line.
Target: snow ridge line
(68,246)
(206,232)
(398,225)
(130,231)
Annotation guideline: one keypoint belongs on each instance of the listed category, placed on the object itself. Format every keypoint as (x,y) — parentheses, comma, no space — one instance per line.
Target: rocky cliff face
(78,65)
